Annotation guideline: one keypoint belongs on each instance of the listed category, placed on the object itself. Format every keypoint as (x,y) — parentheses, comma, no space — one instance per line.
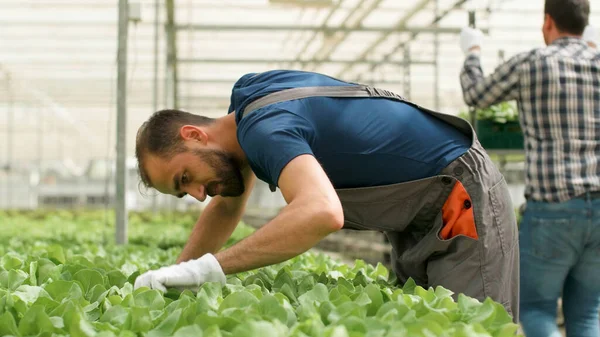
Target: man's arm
(217,222)
(313,211)
(501,86)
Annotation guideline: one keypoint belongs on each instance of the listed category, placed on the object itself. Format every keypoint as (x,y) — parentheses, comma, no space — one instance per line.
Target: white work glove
(469,38)
(185,275)
(589,35)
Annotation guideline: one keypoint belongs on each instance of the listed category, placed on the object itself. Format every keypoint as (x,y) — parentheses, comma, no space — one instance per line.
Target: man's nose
(198,192)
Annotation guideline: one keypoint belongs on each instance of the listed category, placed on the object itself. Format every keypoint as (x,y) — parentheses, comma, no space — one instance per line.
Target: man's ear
(548,22)
(193,133)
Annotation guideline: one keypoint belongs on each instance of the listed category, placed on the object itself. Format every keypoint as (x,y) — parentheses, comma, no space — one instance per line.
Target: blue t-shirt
(359,142)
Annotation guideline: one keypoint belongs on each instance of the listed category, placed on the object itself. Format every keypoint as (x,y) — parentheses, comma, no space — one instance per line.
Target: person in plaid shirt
(557,89)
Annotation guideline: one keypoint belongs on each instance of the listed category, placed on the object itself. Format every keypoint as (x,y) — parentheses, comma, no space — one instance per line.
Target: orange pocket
(457,214)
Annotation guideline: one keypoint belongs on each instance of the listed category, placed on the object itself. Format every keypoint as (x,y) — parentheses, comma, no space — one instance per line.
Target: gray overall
(410,214)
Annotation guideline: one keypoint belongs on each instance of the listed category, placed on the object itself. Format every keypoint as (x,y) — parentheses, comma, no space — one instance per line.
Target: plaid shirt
(557,89)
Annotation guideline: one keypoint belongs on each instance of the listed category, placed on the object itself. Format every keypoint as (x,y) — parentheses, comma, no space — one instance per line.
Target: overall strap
(324,91)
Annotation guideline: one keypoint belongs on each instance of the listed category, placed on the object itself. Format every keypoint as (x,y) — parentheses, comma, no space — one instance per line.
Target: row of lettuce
(62,275)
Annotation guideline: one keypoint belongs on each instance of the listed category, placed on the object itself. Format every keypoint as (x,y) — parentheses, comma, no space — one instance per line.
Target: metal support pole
(9,141)
(121,181)
(155,88)
(40,144)
(156,40)
(59,143)
(502,161)
(40,151)
(172,74)
(172,54)
(406,77)
(436,66)
(472,111)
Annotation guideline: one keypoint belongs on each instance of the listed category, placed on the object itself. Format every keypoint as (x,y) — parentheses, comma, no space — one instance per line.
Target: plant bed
(494,135)
(498,127)
(62,275)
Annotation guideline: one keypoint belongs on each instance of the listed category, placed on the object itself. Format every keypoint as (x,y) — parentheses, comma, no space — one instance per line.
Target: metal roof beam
(307,42)
(290,60)
(317,29)
(329,45)
(437,19)
(401,24)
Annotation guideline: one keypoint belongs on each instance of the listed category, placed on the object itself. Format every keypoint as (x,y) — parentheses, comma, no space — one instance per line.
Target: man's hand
(470,39)
(188,275)
(590,36)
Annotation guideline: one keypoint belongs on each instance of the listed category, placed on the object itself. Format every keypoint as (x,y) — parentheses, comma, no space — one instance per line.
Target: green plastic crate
(494,135)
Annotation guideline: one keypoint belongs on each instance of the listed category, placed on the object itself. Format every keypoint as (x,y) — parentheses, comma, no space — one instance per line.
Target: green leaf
(269,308)
(289,292)
(317,295)
(167,326)
(127,333)
(189,331)
(434,316)
(88,278)
(260,278)
(33,266)
(173,294)
(46,271)
(11,261)
(61,290)
(363,299)
(361,279)
(427,296)
(8,327)
(354,324)
(284,277)
(345,287)
(47,303)
(57,322)
(441,292)
(131,278)
(152,299)
(409,286)
(79,327)
(381,272)
(392,311)
(212,331)
(106,333)
(473,310)
(376,299)
(241,299)
(226,323)
(116,278)
(306,284)
(116,316)
(205,303)
(30,294)
(97,293)
(336,331)
(140,319)
(12,279)
(35,321)
(260,328)
(56,253)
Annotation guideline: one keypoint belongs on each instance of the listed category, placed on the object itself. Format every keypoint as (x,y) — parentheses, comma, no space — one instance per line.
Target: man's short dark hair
(570,16)
(159,136)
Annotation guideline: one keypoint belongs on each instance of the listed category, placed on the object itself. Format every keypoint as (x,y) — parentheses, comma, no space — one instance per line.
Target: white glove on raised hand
(190,274)
(469,38)
(590,36)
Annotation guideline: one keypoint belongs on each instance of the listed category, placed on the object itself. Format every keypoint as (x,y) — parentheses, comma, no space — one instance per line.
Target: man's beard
(228,173)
